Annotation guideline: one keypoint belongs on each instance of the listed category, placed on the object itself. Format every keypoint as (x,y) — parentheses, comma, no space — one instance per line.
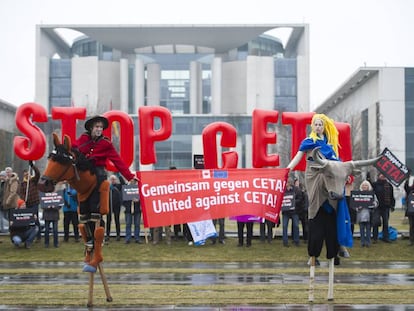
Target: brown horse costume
(66,164)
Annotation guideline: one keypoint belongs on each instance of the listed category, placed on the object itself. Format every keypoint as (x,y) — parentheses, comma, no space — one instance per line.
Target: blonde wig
(329,130)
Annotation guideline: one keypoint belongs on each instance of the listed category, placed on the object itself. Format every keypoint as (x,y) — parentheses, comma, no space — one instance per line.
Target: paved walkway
(201,278)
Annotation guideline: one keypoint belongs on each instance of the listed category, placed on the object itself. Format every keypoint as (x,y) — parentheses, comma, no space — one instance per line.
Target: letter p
(148,134)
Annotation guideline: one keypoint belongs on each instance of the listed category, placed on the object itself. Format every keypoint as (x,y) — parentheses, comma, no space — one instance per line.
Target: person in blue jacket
(70,212)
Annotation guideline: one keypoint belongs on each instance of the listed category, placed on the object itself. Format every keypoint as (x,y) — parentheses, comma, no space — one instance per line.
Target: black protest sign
(130,192)
(392,168)
(22,217)
(198,161)
(361,199)
(288,203)
(51,199)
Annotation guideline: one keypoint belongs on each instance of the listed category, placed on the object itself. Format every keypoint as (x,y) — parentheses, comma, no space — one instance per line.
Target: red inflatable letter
(298,121)
(69,115)
(33,146)
(345,149)
(228,139)
(261,138)
(126,140)
(148,135)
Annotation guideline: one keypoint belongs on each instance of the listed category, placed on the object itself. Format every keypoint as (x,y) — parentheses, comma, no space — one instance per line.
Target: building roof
(6,106)
(356,80)
(128,38)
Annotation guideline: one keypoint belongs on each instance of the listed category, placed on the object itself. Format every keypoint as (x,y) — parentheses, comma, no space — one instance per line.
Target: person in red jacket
(98,149)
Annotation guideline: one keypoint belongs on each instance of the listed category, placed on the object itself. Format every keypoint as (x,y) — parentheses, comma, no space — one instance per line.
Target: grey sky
(344,35)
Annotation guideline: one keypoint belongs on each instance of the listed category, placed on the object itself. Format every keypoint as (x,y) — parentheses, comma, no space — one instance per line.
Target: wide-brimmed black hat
(89,123)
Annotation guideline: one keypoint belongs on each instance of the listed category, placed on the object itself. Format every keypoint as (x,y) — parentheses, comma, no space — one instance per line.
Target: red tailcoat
(100,151)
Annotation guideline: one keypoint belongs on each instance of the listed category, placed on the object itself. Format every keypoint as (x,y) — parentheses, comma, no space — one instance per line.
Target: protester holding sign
(292,196)
(364,202)
(51,204)
(28,190)
(115,202)
(23,228)
(385,194)
(132,204)
(409,190)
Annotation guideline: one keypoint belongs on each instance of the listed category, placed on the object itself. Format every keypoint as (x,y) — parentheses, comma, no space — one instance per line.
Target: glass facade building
(181,73)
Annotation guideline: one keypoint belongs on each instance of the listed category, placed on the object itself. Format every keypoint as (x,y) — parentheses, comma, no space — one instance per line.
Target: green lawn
(152,295)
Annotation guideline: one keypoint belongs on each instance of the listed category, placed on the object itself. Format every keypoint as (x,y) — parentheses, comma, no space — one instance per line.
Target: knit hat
(20,203)
(3,173)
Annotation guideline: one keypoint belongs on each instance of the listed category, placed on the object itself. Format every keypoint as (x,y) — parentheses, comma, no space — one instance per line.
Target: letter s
(33,146)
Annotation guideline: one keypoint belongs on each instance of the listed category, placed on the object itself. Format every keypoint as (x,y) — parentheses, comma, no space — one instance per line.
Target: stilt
(331,279)
(94,253)
(105,283)
(90,294)
(312,279)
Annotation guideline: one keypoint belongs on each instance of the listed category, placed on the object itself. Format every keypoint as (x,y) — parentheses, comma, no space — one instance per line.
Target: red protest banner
(180,196)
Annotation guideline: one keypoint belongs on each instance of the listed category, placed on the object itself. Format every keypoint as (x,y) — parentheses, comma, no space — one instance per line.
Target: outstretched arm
(295,160)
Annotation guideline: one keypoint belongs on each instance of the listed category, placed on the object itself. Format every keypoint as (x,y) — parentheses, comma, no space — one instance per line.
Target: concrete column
(42,82)
(153,84)
(196,88)
(259,83)
(139,85)
(123,84)
(216,78)
(248,151)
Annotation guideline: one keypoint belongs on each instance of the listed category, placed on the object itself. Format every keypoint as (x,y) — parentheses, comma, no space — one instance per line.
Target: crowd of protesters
(372,221)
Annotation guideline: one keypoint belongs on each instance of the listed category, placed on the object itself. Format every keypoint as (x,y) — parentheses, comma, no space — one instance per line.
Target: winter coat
(33,197)
(385,194)
(51,213)
(115,197)
(10,194)
(363,215)
(70,197)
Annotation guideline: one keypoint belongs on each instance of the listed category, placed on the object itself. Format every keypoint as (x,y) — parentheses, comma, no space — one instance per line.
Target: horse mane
(60,155)
(82,162)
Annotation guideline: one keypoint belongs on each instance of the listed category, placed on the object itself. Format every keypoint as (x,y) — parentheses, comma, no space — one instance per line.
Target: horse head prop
(65,164)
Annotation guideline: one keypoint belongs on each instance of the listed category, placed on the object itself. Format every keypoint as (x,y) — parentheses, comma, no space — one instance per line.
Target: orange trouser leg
(104,197)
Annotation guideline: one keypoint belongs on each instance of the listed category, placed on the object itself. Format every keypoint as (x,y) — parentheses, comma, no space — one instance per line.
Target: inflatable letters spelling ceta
(32,146)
